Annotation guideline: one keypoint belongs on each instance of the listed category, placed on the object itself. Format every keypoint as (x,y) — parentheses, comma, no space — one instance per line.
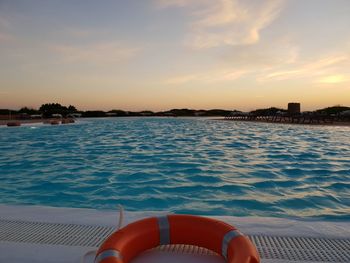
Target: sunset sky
(163,54)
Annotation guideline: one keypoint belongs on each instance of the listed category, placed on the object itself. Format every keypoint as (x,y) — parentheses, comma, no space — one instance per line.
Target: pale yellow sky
(159,54)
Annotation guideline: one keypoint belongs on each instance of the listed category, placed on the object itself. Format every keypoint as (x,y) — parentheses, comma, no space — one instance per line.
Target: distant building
(345,113)
(36,116)
(74,115)
(57,115)
(293,108)
(146,113)
(200,113)
(237,113)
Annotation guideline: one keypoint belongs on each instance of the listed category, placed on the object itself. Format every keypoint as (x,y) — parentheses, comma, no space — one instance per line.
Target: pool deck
(25,235)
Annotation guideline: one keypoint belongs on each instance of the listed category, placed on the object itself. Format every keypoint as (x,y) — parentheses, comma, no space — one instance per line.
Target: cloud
(103,52)
(262,56)
(78,33)
(207,77)
(226,22)
(5,36)
(333,79)
(4,23)
(182,79)
(320,67)
(169,3)
(331,69)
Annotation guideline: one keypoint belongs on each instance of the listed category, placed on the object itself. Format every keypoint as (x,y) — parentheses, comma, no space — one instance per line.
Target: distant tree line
(267,112)
(335,110)
(48,109)
(55,108)
(170,113)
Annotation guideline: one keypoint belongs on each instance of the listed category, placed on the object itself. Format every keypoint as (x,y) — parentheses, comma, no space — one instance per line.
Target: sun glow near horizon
(159,54)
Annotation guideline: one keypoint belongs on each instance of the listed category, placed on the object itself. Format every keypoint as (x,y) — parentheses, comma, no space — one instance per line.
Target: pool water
(183,165)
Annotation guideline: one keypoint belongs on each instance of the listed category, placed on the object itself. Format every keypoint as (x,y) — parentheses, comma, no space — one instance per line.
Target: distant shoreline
(217,118)
(48,120)
(345,123)
(35,121)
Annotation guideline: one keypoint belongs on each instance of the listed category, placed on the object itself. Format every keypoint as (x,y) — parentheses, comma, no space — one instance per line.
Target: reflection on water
(181,165)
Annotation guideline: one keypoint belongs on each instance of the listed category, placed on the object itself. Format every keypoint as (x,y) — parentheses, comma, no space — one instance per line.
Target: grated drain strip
(269,247)
(53,234)
(303,248)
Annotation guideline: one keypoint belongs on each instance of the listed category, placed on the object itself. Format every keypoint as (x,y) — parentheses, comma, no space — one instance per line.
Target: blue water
(187,165)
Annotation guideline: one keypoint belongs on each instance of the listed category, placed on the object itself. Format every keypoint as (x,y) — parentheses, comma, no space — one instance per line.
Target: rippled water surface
(188,165)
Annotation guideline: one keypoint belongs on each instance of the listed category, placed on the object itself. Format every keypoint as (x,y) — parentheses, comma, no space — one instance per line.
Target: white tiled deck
(46,234)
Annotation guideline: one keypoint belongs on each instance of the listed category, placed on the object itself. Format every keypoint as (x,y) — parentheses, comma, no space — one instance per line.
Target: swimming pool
(183,165)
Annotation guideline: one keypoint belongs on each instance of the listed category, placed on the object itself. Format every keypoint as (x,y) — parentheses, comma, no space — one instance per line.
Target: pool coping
(28,252)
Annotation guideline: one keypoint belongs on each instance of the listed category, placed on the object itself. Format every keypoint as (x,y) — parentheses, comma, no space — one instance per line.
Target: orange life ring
(222,238)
